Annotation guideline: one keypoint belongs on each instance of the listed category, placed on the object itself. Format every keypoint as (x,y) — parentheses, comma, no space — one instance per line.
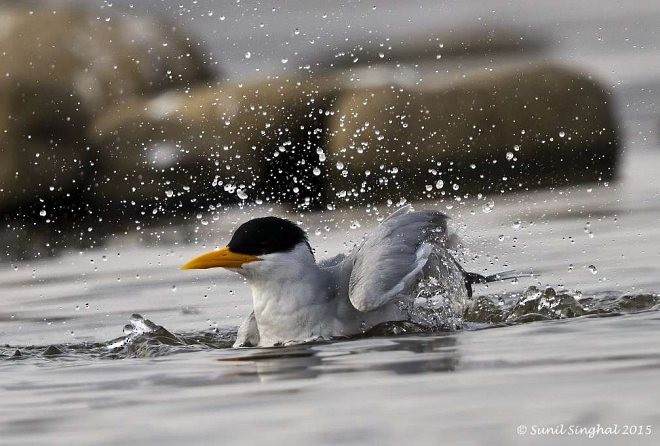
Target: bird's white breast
(292,297)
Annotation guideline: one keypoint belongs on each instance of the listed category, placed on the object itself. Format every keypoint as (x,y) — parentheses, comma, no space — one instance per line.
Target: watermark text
(588,431)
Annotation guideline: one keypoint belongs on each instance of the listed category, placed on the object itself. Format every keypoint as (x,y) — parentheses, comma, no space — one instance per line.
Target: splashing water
(438,306)
(142,338)
(535,304)
(440,296)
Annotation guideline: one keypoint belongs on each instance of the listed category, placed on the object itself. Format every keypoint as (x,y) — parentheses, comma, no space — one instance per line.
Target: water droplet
(593,269)
(316,171)
(248,55)
(509,156)
(241,194)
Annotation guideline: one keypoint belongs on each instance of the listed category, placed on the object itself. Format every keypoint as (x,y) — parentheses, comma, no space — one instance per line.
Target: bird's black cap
(265,236)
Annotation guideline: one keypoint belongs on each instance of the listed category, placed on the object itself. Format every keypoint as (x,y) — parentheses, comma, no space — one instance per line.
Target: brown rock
(517,127)
(59,69)
(220,143)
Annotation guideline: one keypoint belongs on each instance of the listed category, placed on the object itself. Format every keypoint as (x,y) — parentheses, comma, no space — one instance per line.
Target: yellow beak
(223,258)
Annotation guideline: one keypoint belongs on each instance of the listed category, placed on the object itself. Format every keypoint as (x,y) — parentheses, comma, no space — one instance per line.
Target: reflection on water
(436,353)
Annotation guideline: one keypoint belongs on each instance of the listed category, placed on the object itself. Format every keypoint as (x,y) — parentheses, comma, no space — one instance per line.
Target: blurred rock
(214,144)
(514,128)
(60,67)
(331,139)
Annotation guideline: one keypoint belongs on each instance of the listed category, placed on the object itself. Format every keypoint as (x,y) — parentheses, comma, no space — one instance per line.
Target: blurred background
(118,115)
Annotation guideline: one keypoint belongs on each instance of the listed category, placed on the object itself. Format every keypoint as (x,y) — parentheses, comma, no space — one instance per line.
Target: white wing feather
(248,333)
(389,260)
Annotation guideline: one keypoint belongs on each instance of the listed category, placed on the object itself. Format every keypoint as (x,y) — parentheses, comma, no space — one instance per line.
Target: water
(581,348)
(471,385)
(583,352)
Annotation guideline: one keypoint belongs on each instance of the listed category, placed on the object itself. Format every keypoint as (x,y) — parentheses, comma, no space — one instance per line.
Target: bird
(403,271)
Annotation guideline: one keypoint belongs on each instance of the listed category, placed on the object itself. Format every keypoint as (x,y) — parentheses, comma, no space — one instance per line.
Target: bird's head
(262,247)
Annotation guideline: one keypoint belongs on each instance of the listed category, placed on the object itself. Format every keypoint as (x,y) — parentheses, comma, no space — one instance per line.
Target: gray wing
(332,261)
(388,261)
(248,333)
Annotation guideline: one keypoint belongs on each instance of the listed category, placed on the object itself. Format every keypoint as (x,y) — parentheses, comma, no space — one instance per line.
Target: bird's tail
(473,278)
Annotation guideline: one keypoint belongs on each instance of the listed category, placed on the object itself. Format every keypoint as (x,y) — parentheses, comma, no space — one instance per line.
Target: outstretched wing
(388,261)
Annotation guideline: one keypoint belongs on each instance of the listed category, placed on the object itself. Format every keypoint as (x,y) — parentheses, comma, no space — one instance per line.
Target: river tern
(297,299)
